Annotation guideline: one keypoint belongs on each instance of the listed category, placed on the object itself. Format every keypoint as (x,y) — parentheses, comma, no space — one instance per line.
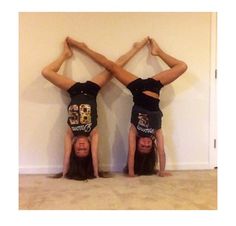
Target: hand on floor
(164,174)
(131,175)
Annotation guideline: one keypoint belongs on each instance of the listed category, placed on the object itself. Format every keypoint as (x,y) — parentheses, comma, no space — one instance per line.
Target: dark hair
(80,168)
(144,163)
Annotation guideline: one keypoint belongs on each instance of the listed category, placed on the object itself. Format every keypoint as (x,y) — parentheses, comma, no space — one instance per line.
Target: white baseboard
(180,166)
(189,166)
(116,168)
(40,169)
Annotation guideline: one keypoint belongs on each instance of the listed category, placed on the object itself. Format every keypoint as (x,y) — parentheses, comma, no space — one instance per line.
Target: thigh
(60,81)
(102,78)
(167,76)
(118,72)
(124,76)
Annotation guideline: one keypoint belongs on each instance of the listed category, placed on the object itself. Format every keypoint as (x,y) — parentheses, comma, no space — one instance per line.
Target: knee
(94,133)
(114,68)
(184,67)
(45,72)
(111,66)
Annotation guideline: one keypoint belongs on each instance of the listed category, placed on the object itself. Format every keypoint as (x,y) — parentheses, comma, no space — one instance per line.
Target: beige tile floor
(184,190)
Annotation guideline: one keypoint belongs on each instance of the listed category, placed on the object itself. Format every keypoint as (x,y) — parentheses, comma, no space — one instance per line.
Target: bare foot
(72,42)
(154,47)
(140,44)
(67,50)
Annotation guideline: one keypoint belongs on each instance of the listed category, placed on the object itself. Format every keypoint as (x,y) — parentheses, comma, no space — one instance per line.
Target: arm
(132,147)
(161,154)
(94,149)
(67,150)
(177,67)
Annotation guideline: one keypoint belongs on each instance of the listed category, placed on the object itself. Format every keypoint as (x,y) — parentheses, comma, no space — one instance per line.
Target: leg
(122,75)
(50,71)
(177,67)
(102,78)
(161,153)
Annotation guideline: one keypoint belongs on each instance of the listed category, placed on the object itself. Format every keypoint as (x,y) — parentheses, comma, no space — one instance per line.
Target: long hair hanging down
(145,163)
(80,168)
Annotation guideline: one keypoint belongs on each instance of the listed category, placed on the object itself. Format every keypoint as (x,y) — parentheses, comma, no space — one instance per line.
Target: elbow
(184,67)
(111,66)
(94,132)
(94,135)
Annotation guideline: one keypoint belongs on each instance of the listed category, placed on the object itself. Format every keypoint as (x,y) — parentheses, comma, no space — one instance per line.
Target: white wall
(185,103)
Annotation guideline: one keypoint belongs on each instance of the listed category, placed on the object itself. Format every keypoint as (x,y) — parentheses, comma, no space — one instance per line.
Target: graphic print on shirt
(143,124)
(73,116)
(79,117)
(85,113)
(143,120)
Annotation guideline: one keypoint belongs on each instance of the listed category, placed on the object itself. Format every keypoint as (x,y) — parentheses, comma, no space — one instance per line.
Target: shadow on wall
(120,145)
(57,132)
(79,58)
(55,142)
(117,157)
(167,96)
(42,91)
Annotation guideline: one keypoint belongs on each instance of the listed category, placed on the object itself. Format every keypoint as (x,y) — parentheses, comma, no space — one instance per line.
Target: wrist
(131,172)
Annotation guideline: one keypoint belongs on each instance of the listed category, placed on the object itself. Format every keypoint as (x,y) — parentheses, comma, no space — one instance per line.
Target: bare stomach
(152,94)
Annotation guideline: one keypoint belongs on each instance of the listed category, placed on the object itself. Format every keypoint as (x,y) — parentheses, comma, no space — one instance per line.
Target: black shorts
(88,87)
(138,86)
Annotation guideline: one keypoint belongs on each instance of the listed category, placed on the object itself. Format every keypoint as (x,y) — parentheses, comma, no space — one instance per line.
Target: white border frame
(212,105)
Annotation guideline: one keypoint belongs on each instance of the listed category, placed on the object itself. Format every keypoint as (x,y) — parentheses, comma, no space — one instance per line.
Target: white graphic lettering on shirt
(143,124)
(143,120)
(86,128)
(79,117)
(145,130)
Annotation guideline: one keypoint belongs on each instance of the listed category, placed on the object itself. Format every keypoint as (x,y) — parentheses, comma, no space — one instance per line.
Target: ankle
(65,55)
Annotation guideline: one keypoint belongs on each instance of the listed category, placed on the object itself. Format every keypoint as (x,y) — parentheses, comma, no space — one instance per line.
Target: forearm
(67,152)
(94,148)
(65,166)
(95,165)
(131,164)
(132,147)
(162,161)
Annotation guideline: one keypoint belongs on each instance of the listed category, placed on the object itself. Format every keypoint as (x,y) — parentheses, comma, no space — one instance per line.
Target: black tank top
(138,86)
(146,115)
(146,122)
(82,114)
(82,110)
